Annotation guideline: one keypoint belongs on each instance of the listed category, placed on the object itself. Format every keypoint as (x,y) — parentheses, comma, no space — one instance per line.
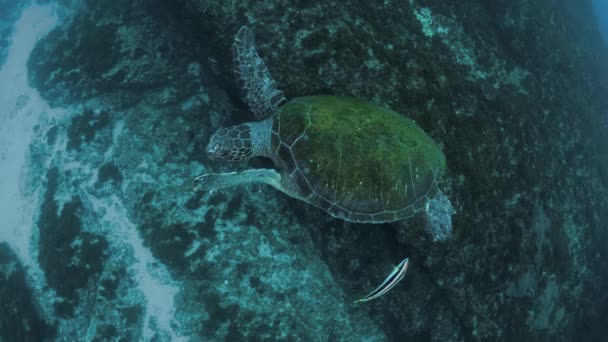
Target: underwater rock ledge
(514,99)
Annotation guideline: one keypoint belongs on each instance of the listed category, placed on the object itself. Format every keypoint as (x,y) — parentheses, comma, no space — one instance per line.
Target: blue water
(601,10)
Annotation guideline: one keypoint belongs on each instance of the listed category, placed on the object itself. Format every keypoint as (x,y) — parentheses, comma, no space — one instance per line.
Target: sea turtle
(357,161)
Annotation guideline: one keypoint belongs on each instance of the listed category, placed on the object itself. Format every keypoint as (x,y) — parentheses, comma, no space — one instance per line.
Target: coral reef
(513,91)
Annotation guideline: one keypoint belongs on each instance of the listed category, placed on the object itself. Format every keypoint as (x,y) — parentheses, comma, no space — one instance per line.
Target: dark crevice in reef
(84,127)
(19,313)
(69,256)
(109,172)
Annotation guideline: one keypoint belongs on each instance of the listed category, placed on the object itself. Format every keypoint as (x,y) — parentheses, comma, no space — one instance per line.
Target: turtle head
(231,143)
(240,142)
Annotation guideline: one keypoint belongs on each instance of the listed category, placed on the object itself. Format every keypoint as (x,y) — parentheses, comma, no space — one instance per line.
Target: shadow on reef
(21,319)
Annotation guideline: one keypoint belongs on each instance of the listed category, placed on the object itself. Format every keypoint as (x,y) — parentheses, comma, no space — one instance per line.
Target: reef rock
(513,92)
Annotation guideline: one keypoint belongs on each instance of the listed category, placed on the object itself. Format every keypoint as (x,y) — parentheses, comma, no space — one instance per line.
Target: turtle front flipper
(260,92)
(439,213)
(216,181)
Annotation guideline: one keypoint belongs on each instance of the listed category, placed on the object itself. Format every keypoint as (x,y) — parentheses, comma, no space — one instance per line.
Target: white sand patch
(151,275)
(20,109)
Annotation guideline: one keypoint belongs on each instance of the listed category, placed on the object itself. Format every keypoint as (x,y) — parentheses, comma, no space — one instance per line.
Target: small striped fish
(396,275)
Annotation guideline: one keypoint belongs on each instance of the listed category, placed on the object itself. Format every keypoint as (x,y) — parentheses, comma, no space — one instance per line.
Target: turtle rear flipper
(439,213)
(260,92)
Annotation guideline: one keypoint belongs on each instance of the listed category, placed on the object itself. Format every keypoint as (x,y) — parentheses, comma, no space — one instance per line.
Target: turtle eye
(214,150)
(215,146)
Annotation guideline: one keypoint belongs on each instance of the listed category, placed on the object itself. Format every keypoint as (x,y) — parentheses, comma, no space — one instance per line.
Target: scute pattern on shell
(356,160)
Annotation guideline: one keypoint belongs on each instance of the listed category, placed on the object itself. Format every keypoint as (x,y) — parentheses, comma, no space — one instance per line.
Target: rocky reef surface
(21,320)
(512,91)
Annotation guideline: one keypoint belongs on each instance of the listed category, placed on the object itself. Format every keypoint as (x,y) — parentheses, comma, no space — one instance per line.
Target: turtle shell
(358,161)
